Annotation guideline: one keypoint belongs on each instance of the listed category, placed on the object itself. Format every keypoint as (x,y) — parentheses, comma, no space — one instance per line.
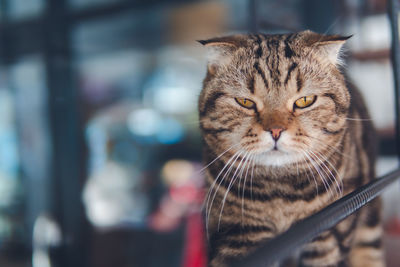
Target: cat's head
(276,98)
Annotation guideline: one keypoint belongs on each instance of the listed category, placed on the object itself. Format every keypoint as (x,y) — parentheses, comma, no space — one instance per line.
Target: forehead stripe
(299,82)
(259,50)
(250,84)
(291,68)
(261,73)
(288,51)
(259,53)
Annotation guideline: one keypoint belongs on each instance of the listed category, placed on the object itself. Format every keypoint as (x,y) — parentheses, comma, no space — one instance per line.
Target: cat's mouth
(275,151)
(272,152)
(277,155)
(275,148)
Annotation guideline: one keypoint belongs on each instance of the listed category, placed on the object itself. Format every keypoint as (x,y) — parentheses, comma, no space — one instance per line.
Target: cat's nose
(276,133)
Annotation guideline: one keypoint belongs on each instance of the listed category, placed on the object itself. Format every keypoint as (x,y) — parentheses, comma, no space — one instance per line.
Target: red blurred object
(393,227)
(195,249)
(167,217)
(185,194)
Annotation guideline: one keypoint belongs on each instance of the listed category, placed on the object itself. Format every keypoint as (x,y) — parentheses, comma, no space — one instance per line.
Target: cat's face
(279,99)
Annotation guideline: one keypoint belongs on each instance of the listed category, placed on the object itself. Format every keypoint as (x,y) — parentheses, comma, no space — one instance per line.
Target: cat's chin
(276,158)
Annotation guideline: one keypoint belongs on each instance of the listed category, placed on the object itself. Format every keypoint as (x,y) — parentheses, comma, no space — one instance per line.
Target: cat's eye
(244,102)
(305,101)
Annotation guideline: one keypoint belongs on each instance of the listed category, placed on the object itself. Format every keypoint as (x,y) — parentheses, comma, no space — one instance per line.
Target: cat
(286,135)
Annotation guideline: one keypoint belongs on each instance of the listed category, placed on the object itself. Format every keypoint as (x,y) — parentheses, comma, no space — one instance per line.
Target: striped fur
(259,187)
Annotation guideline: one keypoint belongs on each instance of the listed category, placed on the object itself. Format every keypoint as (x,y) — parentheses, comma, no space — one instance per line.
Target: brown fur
(258,187)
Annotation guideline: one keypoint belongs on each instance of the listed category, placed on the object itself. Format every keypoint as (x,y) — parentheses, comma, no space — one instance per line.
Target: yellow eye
(305,101)
(244,102)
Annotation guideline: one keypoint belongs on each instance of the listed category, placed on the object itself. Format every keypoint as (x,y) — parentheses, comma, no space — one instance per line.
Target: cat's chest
(282,213)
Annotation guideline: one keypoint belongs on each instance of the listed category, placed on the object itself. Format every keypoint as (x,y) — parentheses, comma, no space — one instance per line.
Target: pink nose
(276,133)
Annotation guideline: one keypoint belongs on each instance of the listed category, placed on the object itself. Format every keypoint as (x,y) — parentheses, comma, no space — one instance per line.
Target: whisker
(326,176)
(208,207)
(308,178)
(329,146)
(244,183)
(220,182)
(220,155)
(245,164)
(251,178)
(330,175)
(334,168)
(313,163)
(357,119)
(242,170)
(216,179)
(232,181)
(312,173)
(223,178)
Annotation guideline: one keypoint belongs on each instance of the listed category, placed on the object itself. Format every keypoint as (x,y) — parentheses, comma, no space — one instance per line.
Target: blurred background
(100,149)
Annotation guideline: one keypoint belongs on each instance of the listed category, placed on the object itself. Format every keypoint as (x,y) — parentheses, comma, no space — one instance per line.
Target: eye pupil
(244,102)
(305,101)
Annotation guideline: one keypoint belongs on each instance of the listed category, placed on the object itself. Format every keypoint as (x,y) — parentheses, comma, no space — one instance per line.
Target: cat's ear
(331,46)
(220,50)
(328,45)
(233,41)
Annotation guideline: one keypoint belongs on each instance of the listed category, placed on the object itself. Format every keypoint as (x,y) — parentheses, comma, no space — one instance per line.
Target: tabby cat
(286,135)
